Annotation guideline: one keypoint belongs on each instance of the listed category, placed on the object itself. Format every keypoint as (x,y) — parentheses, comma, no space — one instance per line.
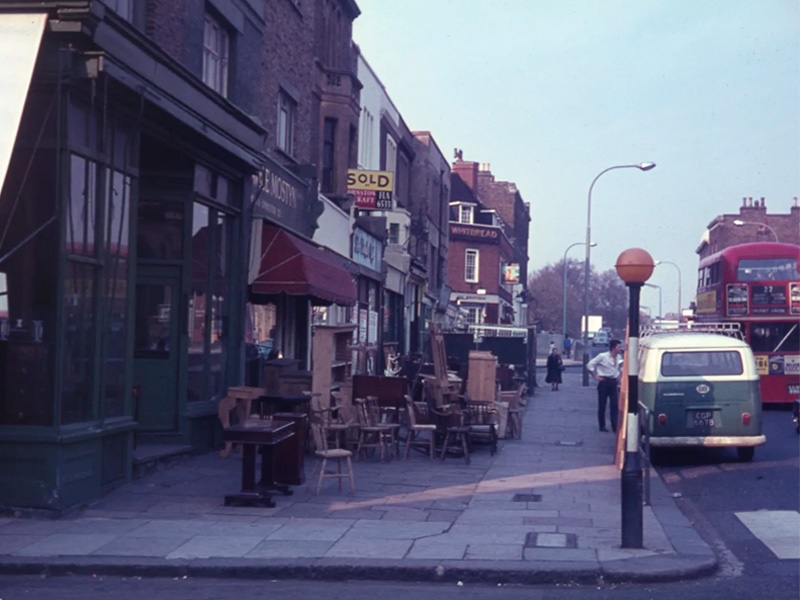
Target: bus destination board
(769,299)
(737,299)
(794,298)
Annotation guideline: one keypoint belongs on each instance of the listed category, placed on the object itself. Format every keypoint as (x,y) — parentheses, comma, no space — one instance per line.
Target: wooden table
(294,403)
(265,434)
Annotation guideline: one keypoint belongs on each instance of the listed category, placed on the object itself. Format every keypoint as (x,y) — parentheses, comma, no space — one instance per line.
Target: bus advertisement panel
(758,286)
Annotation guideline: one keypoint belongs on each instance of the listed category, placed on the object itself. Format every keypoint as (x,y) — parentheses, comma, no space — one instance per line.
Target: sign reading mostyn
(371,190)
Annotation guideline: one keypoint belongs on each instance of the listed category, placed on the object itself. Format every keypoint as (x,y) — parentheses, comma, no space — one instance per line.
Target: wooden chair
(482,423)
(416,427)
(513,398)
(325,454)
(456,437)
(371,433)
(329,420)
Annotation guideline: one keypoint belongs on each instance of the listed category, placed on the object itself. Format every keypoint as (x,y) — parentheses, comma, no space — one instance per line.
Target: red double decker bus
(758,286)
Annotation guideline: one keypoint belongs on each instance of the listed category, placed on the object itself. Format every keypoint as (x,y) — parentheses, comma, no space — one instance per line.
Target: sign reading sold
(371,190)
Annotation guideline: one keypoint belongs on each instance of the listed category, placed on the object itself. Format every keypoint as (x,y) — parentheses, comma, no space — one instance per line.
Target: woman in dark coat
(553,369)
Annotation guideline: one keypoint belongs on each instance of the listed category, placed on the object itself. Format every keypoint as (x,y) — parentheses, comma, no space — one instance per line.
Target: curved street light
(668,262)
(740,223)
(564,302)
(646,166)
(658,287)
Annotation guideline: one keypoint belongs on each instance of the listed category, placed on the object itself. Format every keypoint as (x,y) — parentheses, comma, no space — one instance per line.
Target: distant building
(751,224)
(487,259)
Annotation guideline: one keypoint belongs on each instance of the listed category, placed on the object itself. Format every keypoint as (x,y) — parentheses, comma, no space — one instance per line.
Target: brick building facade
(752,224)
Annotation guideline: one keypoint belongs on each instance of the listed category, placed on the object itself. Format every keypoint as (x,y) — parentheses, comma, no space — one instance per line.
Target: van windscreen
(701,363)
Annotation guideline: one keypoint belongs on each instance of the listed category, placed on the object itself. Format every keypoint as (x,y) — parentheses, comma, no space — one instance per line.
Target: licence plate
(701,418)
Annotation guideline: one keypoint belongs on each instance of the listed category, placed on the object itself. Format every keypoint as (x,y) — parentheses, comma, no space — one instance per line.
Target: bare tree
(608,297)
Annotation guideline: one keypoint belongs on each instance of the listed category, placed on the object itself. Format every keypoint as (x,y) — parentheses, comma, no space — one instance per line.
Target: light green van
(701,389)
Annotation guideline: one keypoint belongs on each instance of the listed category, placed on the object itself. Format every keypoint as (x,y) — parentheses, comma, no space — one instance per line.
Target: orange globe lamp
(635,266)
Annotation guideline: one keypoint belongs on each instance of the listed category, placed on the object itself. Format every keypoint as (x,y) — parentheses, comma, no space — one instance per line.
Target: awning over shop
(290,265)
(20,36)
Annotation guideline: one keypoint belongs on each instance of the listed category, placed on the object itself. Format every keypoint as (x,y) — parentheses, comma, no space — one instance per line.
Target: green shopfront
(123,244)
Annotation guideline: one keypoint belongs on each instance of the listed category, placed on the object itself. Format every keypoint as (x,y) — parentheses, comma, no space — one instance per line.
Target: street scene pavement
(545,508)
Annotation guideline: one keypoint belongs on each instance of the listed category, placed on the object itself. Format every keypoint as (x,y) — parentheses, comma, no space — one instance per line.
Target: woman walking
(554,368)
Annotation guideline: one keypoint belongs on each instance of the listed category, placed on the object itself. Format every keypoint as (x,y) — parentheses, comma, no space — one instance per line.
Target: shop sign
(282,198)
(371,190)
(511,273)
(367,250)
(475,233)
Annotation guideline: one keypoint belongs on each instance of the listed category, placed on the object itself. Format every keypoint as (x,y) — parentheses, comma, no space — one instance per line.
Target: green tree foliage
(608,297)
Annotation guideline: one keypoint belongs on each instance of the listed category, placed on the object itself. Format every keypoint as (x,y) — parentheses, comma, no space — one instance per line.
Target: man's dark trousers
(607,393)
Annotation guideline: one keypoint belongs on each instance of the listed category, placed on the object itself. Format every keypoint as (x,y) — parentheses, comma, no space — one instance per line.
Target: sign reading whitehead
(371,190)
(483,233)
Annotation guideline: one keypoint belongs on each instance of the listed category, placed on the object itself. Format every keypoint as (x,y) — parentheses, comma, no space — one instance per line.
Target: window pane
(82,208)
(219,304)
(767,269)
(198,301)
(160,230)
(154,315)
(775,337)
(78,361)
(704,363)
(116,296)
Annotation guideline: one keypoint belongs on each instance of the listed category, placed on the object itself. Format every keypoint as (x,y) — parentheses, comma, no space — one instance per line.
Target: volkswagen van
(701,389)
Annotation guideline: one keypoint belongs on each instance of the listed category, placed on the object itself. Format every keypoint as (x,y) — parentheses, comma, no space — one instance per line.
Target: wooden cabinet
(331,357)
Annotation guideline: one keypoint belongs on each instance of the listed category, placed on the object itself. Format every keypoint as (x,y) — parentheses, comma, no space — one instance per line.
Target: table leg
(268,473)
(249,494)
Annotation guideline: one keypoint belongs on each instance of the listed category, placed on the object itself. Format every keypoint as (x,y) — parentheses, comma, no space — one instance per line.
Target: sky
(553,92)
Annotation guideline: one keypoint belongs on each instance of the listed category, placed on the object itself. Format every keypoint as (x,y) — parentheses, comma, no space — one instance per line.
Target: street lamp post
(634,266)
(667,262)
(658,287)
(740,223)
(642,167)
(564,306)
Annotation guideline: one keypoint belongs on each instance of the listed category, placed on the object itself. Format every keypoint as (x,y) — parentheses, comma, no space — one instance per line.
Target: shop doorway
(156,349)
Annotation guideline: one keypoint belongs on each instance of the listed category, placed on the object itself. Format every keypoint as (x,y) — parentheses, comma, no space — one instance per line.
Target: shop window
(208,303)
(287,108)
(216,55)
(79,343)
(82,208)
(115,340)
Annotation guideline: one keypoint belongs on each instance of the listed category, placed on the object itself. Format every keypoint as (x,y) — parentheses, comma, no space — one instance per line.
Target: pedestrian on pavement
(567,344)
(554,367)
(606,369)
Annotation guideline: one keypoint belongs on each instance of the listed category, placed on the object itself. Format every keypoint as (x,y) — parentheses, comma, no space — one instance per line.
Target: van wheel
(745,453)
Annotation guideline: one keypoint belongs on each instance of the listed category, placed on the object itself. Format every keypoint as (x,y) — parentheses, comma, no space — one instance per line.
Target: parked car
(701,390)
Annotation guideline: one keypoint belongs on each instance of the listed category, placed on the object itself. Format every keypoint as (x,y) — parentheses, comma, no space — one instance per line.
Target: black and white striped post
(634,266)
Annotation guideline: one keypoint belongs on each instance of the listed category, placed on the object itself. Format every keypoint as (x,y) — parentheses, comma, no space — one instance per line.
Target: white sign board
(20,36)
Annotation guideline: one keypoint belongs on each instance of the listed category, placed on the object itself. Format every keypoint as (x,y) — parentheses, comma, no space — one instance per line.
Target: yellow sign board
(706,302)
(371,190)
(762,364)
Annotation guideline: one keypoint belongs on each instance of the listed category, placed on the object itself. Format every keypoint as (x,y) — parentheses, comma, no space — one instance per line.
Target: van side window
(701,363)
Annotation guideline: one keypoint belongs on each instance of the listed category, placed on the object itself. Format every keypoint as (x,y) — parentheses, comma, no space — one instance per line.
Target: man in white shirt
(606,369)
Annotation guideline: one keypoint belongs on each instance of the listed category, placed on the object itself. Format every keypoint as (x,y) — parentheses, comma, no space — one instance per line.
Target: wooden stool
(460,441)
